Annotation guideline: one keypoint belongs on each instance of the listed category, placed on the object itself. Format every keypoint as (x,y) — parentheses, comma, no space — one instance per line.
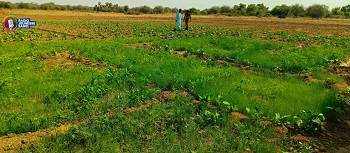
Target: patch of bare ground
(144,44)
(12,143)
(180,53)
(69,61)
(343,70)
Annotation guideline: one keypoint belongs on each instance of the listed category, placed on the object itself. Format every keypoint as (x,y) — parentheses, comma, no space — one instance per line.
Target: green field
(129,92)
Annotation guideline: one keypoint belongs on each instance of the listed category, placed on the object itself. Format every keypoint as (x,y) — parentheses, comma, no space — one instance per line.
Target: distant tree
(118,9)
(243,9)
(6,5)
(347,14)
(297,10)
(337,11)
(214,10)
(262,10)
(345,8)
(252,9)
(158,9)
(236,11)
(204,12)
(225,9)
(47,6)
(22,5)
(281,11)
(145,9)
(317,11)
(174,10)
(167,10)
(194,11)
(126,8)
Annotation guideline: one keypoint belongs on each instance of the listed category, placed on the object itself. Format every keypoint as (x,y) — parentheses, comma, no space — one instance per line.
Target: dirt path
(12,143)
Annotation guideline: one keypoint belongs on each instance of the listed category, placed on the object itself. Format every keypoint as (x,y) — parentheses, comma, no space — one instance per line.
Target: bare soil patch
(144,44)
(69,61)
(13,143)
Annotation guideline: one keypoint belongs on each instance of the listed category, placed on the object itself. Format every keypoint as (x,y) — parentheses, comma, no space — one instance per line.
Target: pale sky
(200,4)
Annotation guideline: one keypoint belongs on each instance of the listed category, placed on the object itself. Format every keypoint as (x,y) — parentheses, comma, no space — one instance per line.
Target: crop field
(103,82)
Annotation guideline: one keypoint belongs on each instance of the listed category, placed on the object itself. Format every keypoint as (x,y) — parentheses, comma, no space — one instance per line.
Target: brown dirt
(68,61)
(343,70)
(235,116)
(145,44)
(180,53)
(13,143)
(336,136)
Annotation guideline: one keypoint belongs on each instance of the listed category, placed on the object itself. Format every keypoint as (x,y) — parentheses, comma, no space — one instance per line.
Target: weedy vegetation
(208,84)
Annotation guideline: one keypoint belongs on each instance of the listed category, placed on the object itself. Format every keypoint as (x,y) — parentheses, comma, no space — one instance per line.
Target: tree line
(259,10)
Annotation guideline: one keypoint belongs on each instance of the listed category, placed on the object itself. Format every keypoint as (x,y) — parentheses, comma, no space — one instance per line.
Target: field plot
(98,82)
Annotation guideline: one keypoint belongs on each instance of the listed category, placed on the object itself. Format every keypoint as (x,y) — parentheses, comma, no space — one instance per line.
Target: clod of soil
(235,116)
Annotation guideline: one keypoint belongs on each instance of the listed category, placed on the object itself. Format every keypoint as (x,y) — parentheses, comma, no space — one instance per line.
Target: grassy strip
(178,125)
(268,55)
(141,67)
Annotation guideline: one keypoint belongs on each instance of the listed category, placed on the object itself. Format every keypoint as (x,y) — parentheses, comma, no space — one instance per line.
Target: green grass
(172,126)
(273,56)
(34,95)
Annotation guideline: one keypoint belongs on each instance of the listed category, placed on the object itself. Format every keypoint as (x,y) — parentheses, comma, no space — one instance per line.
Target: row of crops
(41,87)
(105,30)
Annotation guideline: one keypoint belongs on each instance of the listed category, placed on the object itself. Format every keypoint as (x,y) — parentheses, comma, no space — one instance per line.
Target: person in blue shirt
(178,20)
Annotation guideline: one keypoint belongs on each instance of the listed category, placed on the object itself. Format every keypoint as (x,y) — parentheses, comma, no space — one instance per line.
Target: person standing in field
(187,18)
(178,20)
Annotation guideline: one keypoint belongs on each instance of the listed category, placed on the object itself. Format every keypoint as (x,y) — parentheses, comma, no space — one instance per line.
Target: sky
(200,4)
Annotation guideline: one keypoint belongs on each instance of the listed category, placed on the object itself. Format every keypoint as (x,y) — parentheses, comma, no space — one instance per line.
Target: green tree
(6,5)
(47,6)
(347,14)
(204,12)
(167,10)
(194,11)
(214,10)
(145,9)
(252,9)
(236,11)
(281,11)
(317,11)
(158,9)
(345,8)
(297,10)
(262,10)
(225,9)
(243,9)
(337,11)
(126,8)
